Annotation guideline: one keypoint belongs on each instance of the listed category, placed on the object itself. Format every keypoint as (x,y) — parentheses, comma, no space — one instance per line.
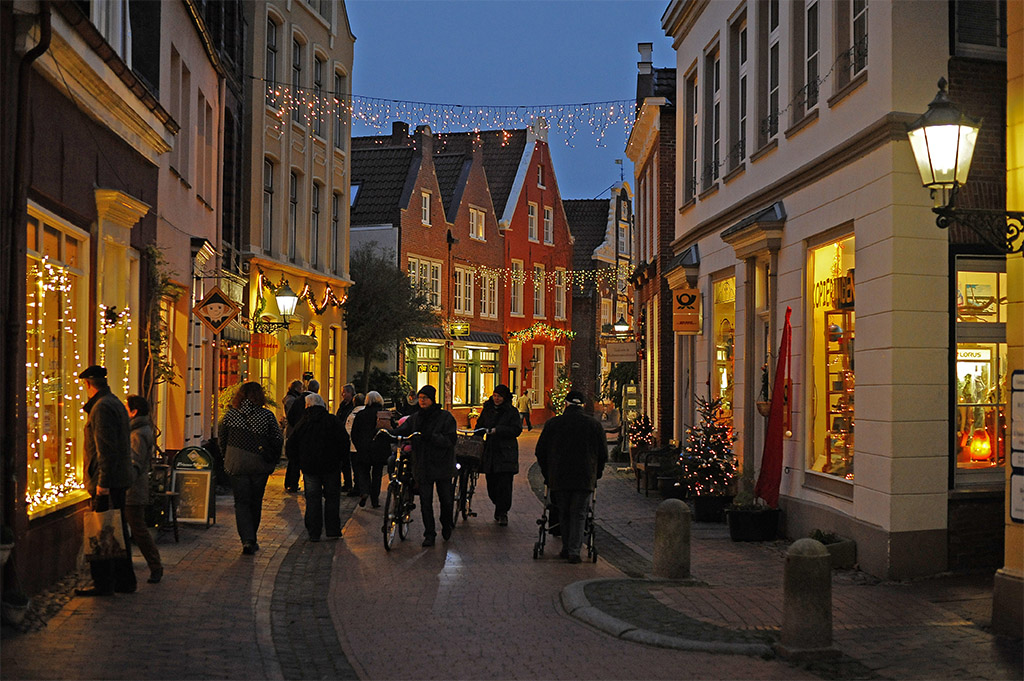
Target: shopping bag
(103,535)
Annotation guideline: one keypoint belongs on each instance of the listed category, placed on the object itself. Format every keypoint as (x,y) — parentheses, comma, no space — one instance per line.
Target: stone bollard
(672,540)
(807,601)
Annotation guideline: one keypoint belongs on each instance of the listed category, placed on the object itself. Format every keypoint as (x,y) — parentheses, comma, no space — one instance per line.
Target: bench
(647,464)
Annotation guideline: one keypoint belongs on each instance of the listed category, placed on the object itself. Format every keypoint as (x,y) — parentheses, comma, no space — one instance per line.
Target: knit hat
(575,397)
(505,393)
(95,371)
(430,391)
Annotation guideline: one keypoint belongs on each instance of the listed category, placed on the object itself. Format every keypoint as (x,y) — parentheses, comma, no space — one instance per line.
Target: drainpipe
(14,382)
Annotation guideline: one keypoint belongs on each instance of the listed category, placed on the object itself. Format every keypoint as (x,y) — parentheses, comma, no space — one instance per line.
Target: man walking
(571,452)
(525,404)
(292,398)
(108,474)
(433,461)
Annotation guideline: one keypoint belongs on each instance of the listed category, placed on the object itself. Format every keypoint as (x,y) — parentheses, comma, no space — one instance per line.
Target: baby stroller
(548,524)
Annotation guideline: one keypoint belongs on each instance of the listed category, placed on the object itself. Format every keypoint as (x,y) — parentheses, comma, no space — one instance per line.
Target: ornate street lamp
(943,140)
(621,326)
(286,299)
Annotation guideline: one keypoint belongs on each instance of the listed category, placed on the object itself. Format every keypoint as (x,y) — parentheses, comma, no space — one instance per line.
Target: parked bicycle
(468,453)
(399,503)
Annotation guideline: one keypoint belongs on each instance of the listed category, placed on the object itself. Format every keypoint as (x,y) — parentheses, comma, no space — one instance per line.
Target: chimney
(425,141)
(644,66)
(400,133)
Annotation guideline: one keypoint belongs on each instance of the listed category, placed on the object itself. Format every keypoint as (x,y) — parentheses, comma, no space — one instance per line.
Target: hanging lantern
(263,346)
(981,445)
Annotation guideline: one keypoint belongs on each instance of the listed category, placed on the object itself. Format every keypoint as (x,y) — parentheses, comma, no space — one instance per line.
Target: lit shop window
(425,365)
(724,293)
(832,343)
(981,369)
(56,343)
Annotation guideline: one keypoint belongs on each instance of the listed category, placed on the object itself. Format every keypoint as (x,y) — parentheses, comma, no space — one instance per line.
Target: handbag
(238,461)
(103,535)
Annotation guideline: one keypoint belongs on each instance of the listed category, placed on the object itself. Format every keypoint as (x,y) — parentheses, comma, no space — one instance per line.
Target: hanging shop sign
(621,352)
(686,311)
(263,345)
(458,328)
(302,343)
(216,310)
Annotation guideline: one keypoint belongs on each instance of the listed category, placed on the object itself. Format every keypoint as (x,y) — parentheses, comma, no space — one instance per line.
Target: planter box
(759,525)
(711,509)
(843,553)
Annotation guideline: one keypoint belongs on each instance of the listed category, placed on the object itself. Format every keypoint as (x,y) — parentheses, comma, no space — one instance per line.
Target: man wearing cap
(433,461)
(571,453)
(108,475)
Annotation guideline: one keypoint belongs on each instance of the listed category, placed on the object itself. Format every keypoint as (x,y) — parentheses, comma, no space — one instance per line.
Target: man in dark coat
(294,404)
(348,395)
(317,445)
(108,475)
(500,419)
(433,461)
(571,453)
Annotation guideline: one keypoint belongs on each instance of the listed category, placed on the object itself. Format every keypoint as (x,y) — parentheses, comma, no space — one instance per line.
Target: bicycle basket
(469,448)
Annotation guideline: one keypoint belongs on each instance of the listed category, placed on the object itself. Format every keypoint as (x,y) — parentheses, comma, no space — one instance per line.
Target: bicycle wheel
(459,507)
(392,514)
(406,506)
(467,511)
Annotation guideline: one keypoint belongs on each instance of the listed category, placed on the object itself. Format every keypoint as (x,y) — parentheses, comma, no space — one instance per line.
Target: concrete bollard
(807,601)
(672,540)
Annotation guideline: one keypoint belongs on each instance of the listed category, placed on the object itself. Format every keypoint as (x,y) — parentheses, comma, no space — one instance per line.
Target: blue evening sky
(512,52)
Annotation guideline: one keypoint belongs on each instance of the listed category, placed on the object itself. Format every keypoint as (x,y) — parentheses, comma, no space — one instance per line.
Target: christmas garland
(542,330)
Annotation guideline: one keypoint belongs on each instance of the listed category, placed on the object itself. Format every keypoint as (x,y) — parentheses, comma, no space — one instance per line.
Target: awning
(234,333)
(483,337)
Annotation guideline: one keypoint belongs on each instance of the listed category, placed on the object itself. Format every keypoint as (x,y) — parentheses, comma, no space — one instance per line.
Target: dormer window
(540,176)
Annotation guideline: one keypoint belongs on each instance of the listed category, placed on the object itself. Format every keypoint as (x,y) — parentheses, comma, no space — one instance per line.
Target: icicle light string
(570,120)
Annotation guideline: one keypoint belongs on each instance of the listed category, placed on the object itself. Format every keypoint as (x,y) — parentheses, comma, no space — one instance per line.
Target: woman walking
(317,444)
(143,438)
(252,443)
(371,453)
(500,418)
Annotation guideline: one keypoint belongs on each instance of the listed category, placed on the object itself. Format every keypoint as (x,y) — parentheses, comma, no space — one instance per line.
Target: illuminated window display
(832,352)
(724,295)
(424,366)
(981,367)
(473,376)
(56,342)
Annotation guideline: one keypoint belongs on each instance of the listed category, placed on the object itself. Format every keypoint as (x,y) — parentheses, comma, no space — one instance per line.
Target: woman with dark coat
(501,421)
(371,452)
(250,427)
(318,445)
(143,438)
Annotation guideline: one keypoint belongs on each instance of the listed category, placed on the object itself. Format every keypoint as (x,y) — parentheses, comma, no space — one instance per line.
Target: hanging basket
(764,407)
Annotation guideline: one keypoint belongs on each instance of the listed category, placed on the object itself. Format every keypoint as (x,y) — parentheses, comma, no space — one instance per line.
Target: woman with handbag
(252,445)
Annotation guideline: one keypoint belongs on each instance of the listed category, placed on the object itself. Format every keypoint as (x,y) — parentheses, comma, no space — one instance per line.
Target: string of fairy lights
(312,107)
(44,381)
(110,320)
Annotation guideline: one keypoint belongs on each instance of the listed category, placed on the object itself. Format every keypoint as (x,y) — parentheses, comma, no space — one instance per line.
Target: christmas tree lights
(707,465)
(540,330)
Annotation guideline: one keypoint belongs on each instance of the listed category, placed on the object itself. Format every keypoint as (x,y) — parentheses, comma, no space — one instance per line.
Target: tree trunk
(366,373)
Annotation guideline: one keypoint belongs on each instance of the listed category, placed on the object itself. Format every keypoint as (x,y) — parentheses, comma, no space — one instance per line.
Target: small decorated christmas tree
(707,465)
(641,432)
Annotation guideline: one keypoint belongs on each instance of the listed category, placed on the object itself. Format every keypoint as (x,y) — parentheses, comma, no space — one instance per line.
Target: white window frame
(531,221)
(270,65)
(463,294)
(425,274)
(549,225)
(477,221)
(425,208)
(772,91)
(332,255)
(858,22)
(540,176)
(559,293)
(742,80)
(489,296)
(812,51)
(297,57)
(314,225)
(339,103)
(293,213)
(516,289)
(539,282)
(318,94)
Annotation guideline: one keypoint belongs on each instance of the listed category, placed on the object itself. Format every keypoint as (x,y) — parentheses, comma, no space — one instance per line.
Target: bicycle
(399,504)
(468,454)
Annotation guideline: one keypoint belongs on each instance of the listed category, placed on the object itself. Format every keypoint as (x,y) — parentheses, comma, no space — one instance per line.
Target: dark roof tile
(381,173)
(588,224)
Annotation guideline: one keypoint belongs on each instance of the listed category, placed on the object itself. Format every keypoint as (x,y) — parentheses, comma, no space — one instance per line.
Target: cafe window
(981,371)
(488,374)
(832,344)
(724,296)
(423,365)
(56,351)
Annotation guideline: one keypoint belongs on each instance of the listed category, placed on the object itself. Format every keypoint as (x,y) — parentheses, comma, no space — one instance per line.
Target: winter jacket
(289,401)
(317,442)
(343,411)
(143,439)
(501,448)
(369,449)
(248,427)
(572,451)
(108,448)
(434,450)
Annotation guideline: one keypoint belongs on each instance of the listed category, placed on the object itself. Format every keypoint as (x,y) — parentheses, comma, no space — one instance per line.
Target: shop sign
(263,345)
(834,293)
(458,328)
(216,310)
(973,354)
(302,343)
(621,352)
(686,311)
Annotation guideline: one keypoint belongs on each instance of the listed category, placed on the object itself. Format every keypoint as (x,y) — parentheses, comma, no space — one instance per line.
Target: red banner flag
(770,477)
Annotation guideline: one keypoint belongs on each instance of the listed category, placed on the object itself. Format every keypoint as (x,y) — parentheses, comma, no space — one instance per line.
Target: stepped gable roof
(588,224)
(381,172)
(502,152)
(449,170)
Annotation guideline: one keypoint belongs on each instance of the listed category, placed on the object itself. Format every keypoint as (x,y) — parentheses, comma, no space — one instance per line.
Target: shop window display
(832,346)
(425,366)
(56,323)
(724,295)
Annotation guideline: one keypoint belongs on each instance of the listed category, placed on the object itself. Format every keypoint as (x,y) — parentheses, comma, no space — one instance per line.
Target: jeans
(136,514)
(323,503)
(572,507)
(248,491)
(526,419)
(368,477)
(346,470)
(499,489)
(446,497)
(114,574)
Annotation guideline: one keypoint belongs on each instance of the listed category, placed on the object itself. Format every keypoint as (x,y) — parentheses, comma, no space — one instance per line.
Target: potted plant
(706,465)
(842,551)
(751,519)
(764,400)
(6,543)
